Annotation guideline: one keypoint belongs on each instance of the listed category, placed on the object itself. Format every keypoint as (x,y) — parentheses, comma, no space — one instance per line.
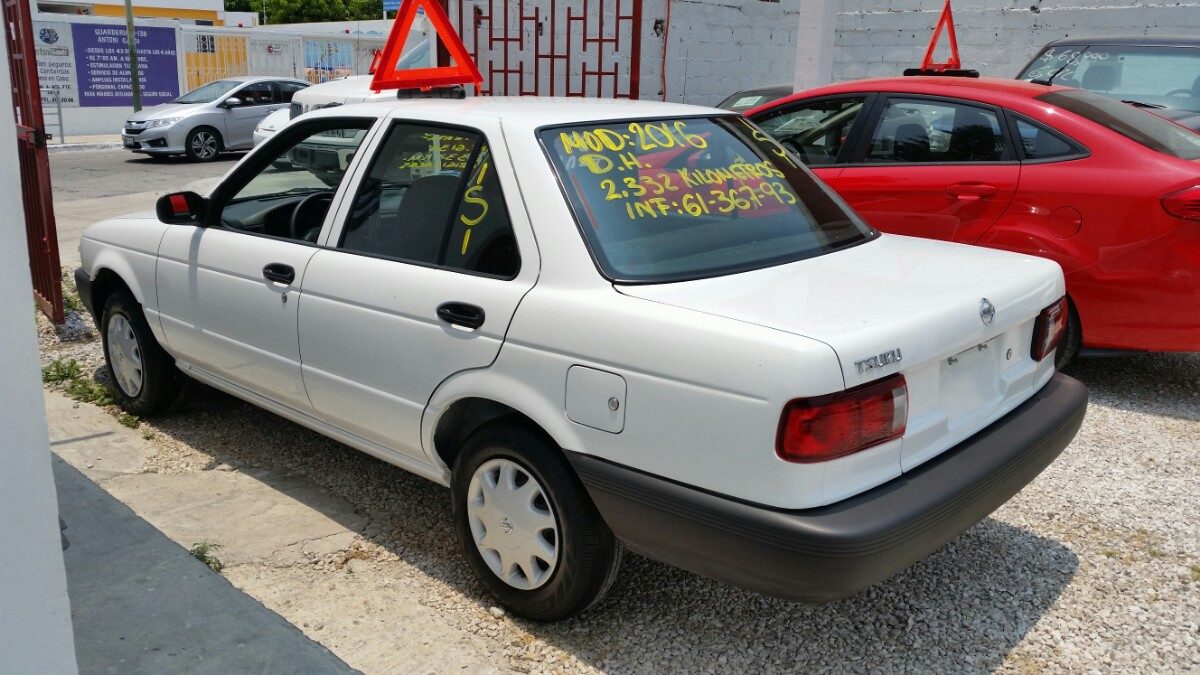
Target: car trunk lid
(957,321)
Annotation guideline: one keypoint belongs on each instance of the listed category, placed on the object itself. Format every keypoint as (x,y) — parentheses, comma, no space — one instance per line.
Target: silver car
(220,115)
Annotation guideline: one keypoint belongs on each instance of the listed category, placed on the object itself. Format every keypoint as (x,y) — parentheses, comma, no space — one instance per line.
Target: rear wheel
(1072,339)
(203,144)
(527,525)
(145,379)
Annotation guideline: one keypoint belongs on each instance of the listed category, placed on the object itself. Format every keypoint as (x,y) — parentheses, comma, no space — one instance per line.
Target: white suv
(602,324)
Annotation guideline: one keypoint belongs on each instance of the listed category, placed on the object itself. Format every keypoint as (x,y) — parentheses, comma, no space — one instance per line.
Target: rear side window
(432,197)
(675,199)
(288,89)
(926,131)
(1133,123)
(1038,142)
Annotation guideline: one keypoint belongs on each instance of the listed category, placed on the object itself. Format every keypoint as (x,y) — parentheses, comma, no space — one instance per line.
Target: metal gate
(40,234)
(554,47)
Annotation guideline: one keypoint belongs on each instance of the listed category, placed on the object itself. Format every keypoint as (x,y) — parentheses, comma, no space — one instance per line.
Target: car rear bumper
(827,553)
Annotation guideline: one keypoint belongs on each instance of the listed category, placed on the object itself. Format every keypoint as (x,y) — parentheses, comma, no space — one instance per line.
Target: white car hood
(920,296)
(165,110)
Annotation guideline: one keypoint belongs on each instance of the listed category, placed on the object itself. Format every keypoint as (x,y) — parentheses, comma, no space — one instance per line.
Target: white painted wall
(717,47)
(996,37)
(35,616)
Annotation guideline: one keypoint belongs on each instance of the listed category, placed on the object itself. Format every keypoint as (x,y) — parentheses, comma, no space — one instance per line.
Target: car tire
(145,380)
(1072,339)
(203,144)
(575,557)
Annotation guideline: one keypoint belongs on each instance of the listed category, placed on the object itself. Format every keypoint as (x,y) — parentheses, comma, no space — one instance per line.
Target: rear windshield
(1155,76)
(1131,122)
(676,199)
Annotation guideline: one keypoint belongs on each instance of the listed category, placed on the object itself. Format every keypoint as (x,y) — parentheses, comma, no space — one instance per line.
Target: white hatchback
(604,325)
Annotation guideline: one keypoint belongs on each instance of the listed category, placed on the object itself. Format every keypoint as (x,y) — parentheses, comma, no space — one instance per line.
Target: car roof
(258,78)
(1130,40)
(925,84)
(530,111)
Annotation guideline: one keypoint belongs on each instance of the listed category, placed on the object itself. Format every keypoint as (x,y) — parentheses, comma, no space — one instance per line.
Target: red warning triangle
(945,22)
(386,76)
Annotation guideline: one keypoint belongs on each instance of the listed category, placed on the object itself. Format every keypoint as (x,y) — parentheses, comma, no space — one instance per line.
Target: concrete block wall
(997,37)
(717,47)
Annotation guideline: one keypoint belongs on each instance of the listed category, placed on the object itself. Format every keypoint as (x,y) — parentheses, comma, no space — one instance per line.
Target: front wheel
(145,379)
(203,144)
(527,525)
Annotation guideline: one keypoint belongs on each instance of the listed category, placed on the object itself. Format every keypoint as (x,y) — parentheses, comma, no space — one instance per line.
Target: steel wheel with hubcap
(203,144)
(125,356)
(144,376)
(513,525)
(527,525)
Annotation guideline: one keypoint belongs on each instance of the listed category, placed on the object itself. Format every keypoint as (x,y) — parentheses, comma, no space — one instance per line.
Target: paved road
(91,185)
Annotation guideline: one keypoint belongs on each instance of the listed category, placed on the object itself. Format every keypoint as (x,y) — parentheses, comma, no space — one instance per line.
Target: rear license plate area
(971,382)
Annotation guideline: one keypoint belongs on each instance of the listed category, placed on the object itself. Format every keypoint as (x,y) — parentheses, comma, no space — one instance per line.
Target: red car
(1109,191)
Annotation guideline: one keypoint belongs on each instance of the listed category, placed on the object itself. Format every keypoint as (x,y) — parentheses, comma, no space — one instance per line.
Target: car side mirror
(231,102)
(181,208)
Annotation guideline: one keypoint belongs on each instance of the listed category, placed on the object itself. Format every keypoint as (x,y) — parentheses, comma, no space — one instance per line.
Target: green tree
(245,6)
(308,11)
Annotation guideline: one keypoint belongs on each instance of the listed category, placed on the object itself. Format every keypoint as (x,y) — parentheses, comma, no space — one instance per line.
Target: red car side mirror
(181,208)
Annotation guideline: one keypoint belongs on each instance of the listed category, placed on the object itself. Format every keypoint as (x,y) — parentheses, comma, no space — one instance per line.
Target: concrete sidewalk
(76,142)
(140,603)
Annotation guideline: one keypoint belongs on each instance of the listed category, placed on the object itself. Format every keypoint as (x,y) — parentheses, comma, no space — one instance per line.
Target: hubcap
(204,144)
(124,355)
(513,524)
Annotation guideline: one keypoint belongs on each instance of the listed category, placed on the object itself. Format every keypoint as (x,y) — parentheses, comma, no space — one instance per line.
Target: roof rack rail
(453,91)
(954,72)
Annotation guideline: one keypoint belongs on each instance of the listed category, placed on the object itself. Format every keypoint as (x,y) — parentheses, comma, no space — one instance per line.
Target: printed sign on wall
(102,65)
(56,62)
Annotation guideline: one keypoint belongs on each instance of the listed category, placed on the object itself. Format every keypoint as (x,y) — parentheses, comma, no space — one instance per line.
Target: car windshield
(208,93)
(676,199)
(1151,76)
(1131,122)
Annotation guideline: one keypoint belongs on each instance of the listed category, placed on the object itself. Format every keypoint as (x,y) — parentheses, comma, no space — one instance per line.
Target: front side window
(676,199)
(1135,124)
(926,131)
(432,197)
(289,195)
(258,93)
(815,131)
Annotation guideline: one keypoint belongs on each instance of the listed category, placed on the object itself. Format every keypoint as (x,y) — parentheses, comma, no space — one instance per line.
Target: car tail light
(827,427)
(1183,204)
(1048,330)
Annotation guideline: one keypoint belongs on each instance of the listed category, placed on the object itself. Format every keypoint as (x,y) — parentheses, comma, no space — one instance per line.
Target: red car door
(932,167)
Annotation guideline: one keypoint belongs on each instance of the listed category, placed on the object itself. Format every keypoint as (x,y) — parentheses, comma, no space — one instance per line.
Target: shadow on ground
(964,607)
(140,158)
(1158,384)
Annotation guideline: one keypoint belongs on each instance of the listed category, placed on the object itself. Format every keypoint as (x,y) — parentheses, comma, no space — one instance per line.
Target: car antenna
(952,67)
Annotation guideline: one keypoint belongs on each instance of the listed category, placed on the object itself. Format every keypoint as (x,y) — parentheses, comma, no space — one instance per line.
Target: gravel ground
(1093,567)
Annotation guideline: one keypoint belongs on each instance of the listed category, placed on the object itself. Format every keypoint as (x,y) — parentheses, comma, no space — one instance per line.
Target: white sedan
(604,325)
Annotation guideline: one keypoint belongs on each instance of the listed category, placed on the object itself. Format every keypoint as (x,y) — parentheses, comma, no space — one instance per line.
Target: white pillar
(814,43)
(35,616)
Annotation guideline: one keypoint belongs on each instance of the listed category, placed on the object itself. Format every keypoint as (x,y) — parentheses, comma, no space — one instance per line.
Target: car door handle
(279,273)
(972,190)
(461,314)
